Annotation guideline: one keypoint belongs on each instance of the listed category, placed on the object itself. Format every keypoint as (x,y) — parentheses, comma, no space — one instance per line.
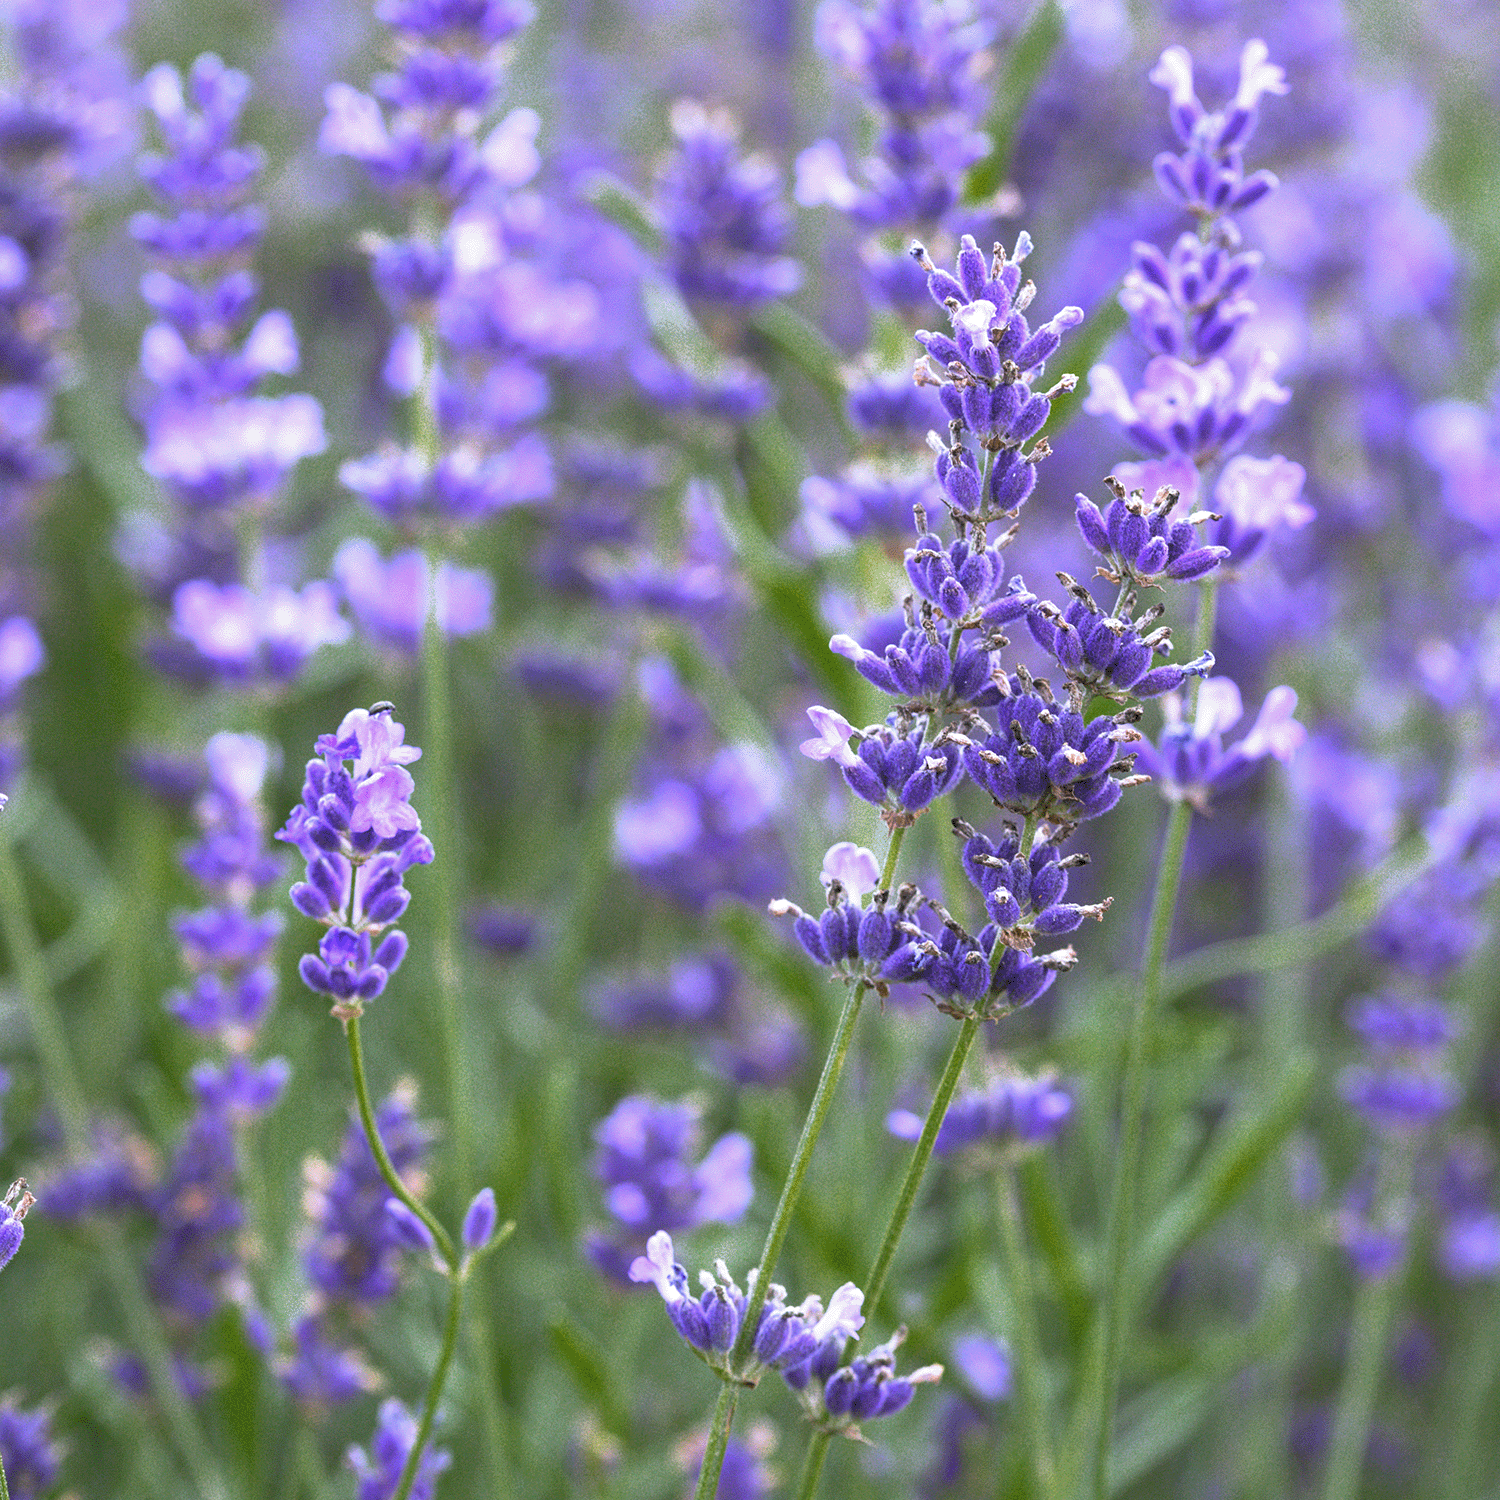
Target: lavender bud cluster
(359,834)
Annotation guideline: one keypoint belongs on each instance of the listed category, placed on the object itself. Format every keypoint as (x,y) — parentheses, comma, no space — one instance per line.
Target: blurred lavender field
(857,637)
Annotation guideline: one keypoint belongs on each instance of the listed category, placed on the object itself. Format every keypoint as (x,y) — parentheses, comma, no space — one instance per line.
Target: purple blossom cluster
(918,66)
(645,1164)
(1013,1112)
(706,997)
(221,452)
(198,1265)
(353,1254)
(701,821)
(723,216)
(359,834)
(1204,390)
(14,1207)
(28,1452)
(378,1472)
(471,318)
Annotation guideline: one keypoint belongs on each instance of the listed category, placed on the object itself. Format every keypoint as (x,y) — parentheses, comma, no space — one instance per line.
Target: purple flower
(392,600)
(480,1219)
(354,1256)
(796,1339)
(359,834)
(1192,764)
(13,1210)
(1013,1111)
(644,1163)
(985,1365)
(30,1457)
(723,215)
(1255,496)
(919,68)
(378,1472)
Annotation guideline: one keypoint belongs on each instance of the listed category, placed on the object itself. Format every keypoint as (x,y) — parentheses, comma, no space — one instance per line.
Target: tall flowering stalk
(958,712)
(1199,401)
(469,319)
(359,834)
(221,450)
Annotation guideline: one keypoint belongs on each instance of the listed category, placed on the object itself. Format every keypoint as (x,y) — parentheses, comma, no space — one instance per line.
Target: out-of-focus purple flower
(234,635)
(392,600)
(27,1451)
(473,315)
(378,1472)
(645,1165)
(1013,1111)
(1458,438)
(919,67)
(505,931)
(353,1257)
(1192,763)
(701,821)
(723,215)
(1405,1086)
(1255,496)
(732,391)
(985,1365)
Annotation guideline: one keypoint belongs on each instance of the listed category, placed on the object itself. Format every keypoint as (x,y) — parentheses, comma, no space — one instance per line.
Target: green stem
(1373,1307)
(50,1037)
(437,787)
(718,1442)
(382,1158)
(812,1468)
(1134,1087)
(435,1385)
(1027,1333)
(947,1085)
(1126,1184)
(4,1488)
(1473,1381)
(781,1220)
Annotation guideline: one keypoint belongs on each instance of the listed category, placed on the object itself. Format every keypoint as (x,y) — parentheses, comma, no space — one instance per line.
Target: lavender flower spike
(13,1210)
(359,834)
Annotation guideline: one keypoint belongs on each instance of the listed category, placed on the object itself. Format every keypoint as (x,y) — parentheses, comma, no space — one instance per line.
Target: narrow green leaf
(804,345)
(623,206)
(1047,1225)
(676,330)
(1079,354)
(1156,1424)
(590,1371)
(1029,57)
(1226,1171)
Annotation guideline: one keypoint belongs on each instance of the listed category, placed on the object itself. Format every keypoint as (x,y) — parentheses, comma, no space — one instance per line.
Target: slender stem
(4,1488)
(1126,1184)
(435,1385)
(1134,1086)
(947,1085)
(50,1037)
(378,1151)
(718,1442)
(1472,1384)
(437,787)
(781,1220)
(812,1468)
(1027,1334)
(1374,1306)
